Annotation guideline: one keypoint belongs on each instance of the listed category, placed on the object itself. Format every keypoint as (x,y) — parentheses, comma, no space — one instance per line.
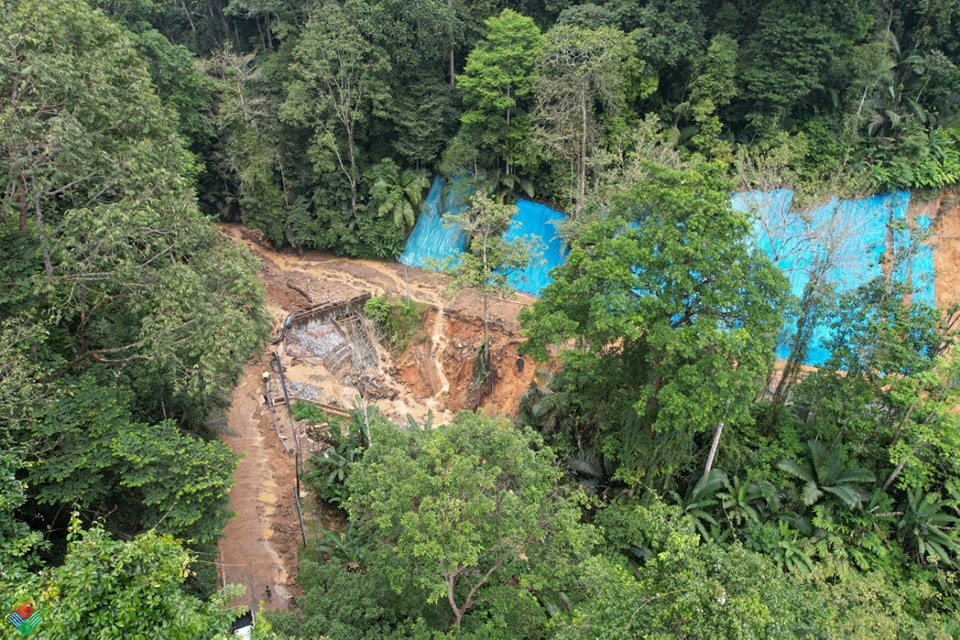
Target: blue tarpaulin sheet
(849,235)
(794,241)
(432,242)
(538,223)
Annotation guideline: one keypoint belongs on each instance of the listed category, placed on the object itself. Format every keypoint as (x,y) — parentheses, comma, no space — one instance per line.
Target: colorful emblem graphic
(24,612)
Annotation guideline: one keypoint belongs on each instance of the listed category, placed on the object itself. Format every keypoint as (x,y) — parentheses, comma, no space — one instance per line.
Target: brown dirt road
(259,545)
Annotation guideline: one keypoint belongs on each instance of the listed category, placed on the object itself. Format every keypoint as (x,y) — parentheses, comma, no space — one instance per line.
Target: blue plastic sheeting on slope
(431,242)
(538,222)
(857,234)
(772,220)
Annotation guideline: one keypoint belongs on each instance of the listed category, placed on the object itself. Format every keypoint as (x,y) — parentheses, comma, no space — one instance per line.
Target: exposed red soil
(944,210)
(259,545)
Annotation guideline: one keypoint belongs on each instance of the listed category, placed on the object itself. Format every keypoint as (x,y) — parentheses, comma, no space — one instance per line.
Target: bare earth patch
(259,546)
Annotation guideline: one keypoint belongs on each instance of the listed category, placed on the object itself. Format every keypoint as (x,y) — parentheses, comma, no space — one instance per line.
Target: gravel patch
(318,345)
(303,390)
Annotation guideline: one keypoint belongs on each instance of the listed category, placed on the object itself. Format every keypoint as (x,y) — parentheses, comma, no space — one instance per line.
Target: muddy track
(258,549)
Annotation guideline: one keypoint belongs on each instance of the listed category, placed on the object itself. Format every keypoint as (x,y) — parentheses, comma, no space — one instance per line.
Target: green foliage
(681,588)
(667,31)
(339,81)
(497,86)
(308,412)
(120,309)
(929,529)
(340,603)
(128,316)
(397,193)
(179,84)
(664,277)
(182,483)
(713,87)
(85,450)
(248,132)
(109,588)
(329,472)
(825,472)
(345,547)
(489,259)
(398,320)
(160,299)
(870,604)
(582,87)
(19,546)
(921,160)
(467,514)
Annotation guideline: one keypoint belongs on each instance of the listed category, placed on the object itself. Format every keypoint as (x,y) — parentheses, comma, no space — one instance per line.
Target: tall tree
(248,131)
(419,38)
(78,124)
(582,82)
(339,82)
(488,262)
(712,87)
(470,514)
(674,314)
(497,86)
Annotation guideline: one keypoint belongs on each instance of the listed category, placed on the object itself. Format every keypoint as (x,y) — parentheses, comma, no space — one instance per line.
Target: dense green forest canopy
(304,107)
(652,486)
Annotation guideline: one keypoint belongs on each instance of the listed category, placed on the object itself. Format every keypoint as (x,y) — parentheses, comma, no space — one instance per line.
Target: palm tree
(895,94)
(399,192)
(702,498)
(746,502)
(596,473)
(929,529)
(824,473)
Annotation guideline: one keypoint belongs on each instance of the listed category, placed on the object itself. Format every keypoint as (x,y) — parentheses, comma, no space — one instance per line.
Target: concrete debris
(303,390)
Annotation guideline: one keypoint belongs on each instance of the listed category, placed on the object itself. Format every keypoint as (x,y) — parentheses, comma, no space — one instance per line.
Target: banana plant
(346,547)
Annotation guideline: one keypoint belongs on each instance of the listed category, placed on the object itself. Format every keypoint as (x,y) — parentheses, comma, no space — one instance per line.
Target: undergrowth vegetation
(399,320)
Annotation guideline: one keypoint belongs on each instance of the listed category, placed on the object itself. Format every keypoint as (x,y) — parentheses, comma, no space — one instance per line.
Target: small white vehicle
(242,627)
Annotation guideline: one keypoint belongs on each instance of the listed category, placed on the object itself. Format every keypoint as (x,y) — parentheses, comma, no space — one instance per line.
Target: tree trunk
(452,79)
(452,599)
(47,263)
(713,449)
(485,296)
(22,198)
(582,160)
(507,162)
(353,172)
(187,13)
(797,352)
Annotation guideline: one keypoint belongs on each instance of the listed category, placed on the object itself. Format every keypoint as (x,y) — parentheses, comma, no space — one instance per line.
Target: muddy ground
(259,546)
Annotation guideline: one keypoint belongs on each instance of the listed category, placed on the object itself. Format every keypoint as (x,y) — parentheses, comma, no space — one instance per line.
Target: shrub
(398,320)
